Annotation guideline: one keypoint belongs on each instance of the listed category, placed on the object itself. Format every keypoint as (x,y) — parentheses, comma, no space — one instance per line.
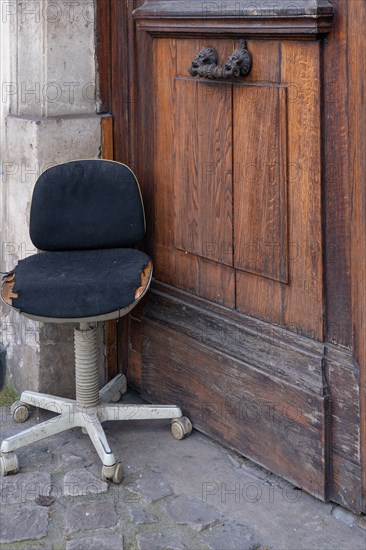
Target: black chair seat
(78,284)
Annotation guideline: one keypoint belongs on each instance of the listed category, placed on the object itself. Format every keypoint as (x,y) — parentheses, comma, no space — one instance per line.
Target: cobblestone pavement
(192,494)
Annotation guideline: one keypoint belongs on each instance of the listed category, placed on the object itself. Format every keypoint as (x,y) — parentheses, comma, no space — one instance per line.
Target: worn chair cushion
(78,284)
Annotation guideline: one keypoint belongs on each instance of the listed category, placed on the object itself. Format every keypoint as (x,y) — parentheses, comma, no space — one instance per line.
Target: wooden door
(237,325)
(234,168)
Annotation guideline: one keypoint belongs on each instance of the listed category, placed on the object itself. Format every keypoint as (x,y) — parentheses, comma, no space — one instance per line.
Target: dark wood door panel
(274,423)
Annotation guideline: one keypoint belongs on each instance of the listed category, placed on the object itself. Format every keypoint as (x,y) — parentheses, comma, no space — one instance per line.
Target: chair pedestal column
(86,366)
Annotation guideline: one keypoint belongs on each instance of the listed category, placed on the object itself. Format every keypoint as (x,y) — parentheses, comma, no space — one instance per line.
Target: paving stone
(27,522)
(344,515)
(105,542)
(73,461)
(24,487)
(80,482)
(151,488)
(169,540)
(35,457)
(82,516)
(361,522)
(140,516)
(231,536)
(187,510)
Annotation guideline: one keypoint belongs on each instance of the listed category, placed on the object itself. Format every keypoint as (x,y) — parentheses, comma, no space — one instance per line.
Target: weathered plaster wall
(48,116)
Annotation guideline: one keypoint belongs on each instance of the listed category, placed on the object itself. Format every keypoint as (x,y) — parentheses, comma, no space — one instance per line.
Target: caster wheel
(8,464)
(116,397)
(118,474)
(19,411)
(113,473)
(181,427)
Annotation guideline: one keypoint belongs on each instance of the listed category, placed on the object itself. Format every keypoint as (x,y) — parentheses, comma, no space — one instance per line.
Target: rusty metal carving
(205,64)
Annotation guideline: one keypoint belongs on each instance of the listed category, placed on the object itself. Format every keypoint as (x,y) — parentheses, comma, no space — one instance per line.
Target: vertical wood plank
(299,304)
(103,52)
(131,333)
(171,265)
(192,208)
(217,283)
(266,67)
(260,176)
(303,302)
(111,348)
(107,137)
(164,158)
(203,175)
(337,193)
(257,296)
(357,156)
(119,78)
(214,110)
(187,207)
(110,327)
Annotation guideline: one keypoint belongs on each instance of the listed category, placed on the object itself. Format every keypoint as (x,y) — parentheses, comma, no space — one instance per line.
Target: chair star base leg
(90,419)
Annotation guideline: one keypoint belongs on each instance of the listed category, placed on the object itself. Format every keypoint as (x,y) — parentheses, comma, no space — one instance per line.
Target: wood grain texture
(164,158)
(277,352)
(110,327)
(192,207)
(119,79)
(303,300)
(260,181)
(310,366)
(111,348)
(346,487)
(187,183)
(236,406)
(357,155)
(298,304)
(133,352)
(337,194)
(344,389)
(107,137)
(266,67)
(203,170)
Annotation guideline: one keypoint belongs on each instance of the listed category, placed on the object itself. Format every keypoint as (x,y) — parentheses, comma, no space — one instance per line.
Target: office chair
(86,217)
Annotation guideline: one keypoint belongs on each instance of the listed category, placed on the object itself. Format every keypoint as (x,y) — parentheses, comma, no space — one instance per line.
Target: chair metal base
(88,411)
(71,415)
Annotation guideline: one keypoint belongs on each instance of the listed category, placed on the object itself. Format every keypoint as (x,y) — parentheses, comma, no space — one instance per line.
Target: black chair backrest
(86,204)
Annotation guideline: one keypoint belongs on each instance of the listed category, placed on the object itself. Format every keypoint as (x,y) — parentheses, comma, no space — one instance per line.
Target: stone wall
(48,115)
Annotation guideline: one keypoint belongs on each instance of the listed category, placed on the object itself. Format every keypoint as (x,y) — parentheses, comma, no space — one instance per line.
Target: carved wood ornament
(205,63)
